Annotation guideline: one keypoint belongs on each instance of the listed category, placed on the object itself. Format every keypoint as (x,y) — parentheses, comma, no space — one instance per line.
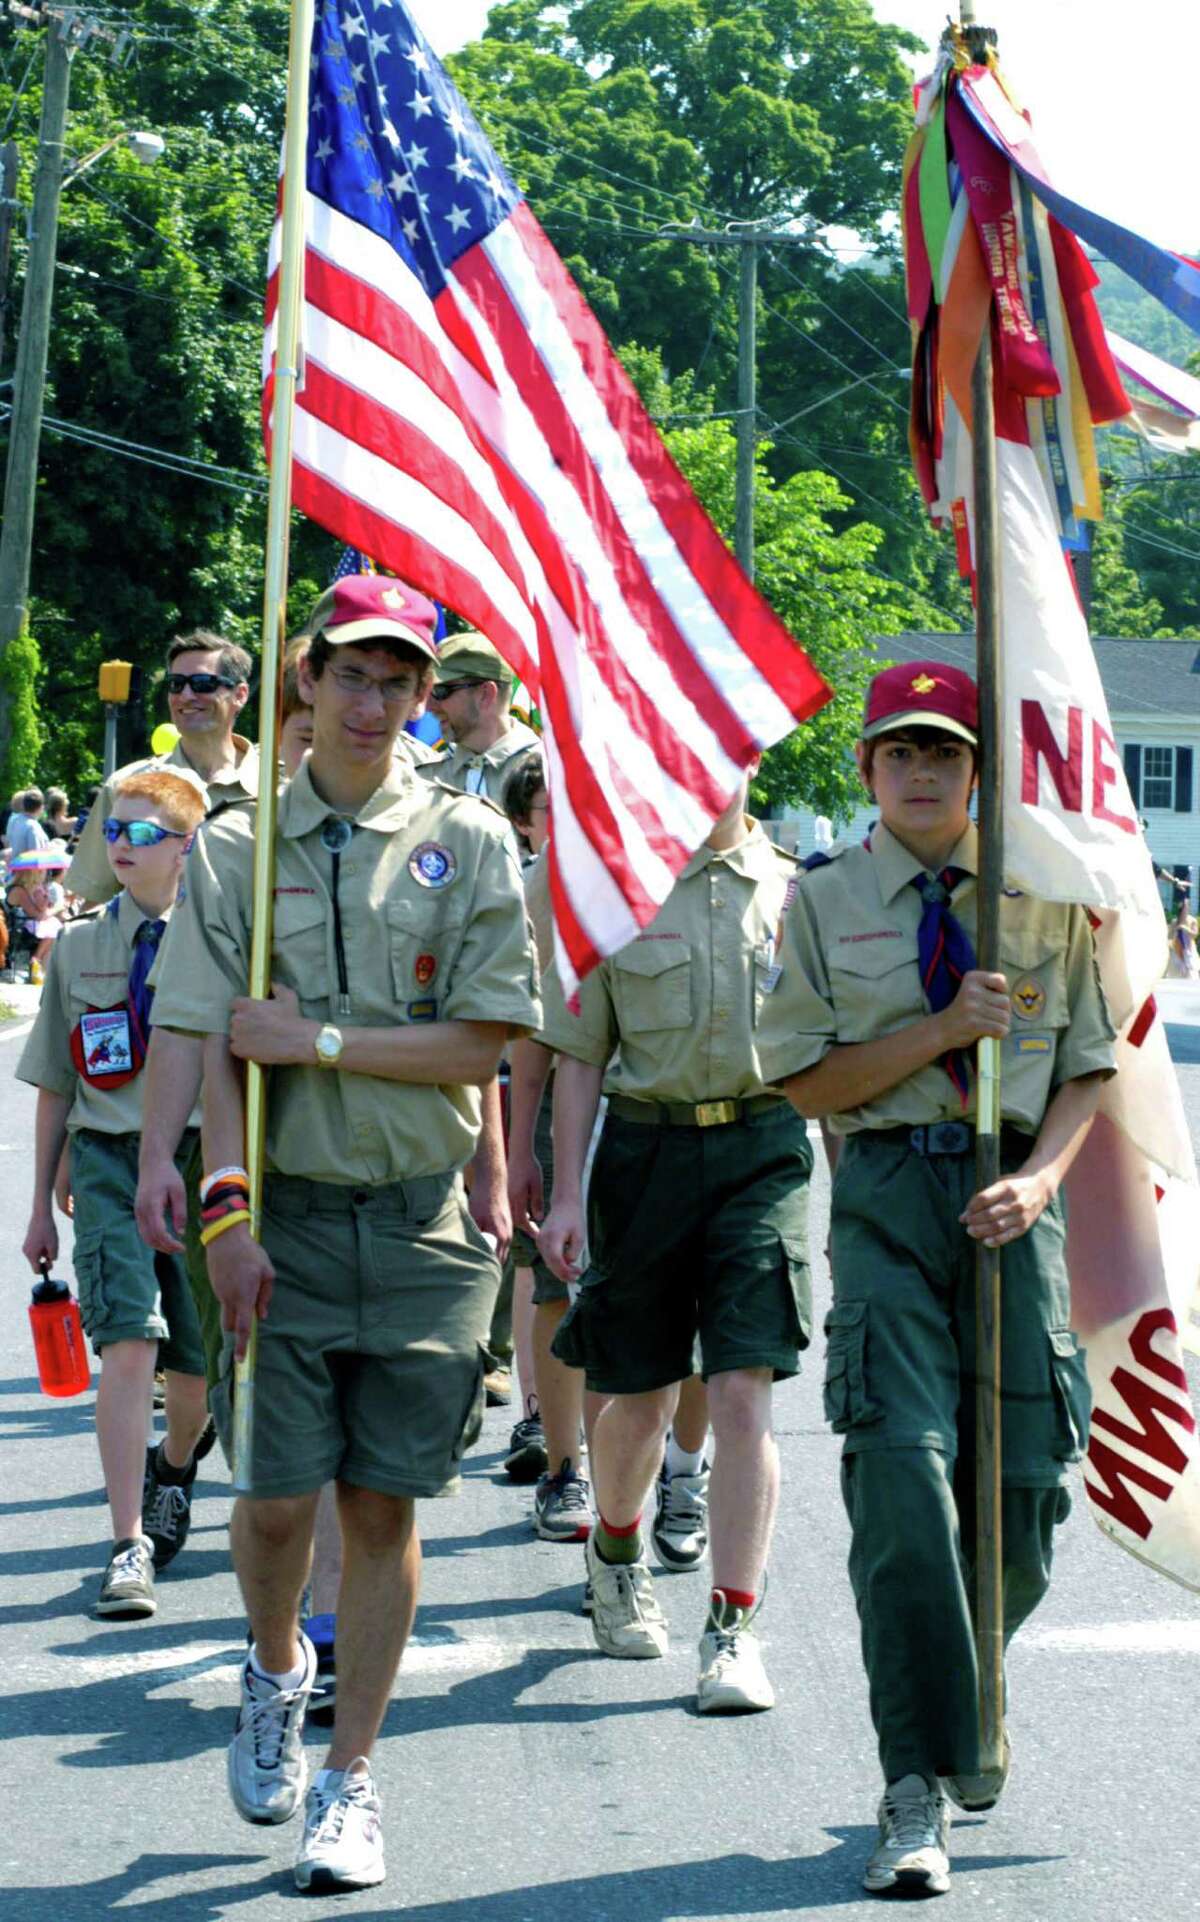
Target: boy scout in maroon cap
(871,1025)
(401,965)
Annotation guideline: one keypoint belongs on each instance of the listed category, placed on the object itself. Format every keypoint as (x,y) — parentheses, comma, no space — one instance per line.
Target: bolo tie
(945,954)
(336,836)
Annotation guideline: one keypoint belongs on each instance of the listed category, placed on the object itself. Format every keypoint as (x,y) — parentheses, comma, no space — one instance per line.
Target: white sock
(680,1461)
(292,1679)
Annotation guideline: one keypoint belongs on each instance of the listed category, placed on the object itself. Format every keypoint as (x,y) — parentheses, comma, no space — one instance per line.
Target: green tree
(818,577)
(21,677)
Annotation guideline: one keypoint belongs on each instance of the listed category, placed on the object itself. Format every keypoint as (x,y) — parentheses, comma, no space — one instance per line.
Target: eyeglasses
(140,834)
(442,690)
(199,683)
(352,680)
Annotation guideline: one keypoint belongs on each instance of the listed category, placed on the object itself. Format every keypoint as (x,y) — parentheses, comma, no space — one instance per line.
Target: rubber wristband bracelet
(219,1227)
(208,1182)
(209,1215)
(225,1192)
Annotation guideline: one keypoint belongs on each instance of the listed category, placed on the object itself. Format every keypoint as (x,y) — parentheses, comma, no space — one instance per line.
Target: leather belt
(943,1137)
(689,1114)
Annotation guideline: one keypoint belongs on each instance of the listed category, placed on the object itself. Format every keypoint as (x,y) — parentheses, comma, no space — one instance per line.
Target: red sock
(739,1597)
(619,1533)
(618,1544)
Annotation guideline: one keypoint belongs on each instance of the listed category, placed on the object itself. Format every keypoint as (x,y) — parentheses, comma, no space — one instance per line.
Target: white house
(1153,691)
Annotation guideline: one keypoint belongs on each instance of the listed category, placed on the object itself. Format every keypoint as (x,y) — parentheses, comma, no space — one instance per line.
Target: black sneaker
(208,1435)
(166,1511)
(128,1586)
(527,1459)
(321,1633)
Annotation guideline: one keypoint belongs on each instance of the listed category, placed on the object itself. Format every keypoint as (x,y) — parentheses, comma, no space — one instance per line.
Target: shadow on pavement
(82,1901)
(728,1886)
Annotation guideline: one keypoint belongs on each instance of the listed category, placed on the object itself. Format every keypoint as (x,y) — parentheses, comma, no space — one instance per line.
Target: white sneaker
(265,1764)
(914,1830)
(626,1618)
(680,1531)
(732,1678)
(342,1844)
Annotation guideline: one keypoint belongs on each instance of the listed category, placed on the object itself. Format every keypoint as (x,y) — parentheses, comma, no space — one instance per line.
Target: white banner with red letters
(1072,834)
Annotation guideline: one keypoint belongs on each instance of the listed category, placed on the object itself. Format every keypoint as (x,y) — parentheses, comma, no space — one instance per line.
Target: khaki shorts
(370,1362)
(127,1292)
(699,1240)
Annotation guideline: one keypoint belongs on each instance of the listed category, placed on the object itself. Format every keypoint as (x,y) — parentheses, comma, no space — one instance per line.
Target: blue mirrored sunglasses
(140,834)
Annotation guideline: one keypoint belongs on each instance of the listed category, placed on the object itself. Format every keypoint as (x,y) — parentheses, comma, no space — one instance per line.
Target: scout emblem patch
(1028,998)
(424,969)
(432,865)
(422,1010)
(102,1047)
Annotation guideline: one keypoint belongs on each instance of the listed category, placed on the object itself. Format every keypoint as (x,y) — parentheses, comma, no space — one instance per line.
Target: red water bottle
(58,1339)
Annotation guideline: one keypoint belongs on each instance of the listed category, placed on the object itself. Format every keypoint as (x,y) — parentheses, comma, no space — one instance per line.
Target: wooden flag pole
(989,1587)
(279,505)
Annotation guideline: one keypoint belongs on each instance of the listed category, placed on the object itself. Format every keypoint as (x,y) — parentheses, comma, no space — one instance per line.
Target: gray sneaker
(732,1679)
(680,1532)
(914,1830)
(626,1618)
(562,1507)
(266,1766)
(128,1585)
(342,1844)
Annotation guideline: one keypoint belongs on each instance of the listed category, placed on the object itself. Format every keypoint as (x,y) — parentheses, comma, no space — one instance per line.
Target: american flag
(462,419)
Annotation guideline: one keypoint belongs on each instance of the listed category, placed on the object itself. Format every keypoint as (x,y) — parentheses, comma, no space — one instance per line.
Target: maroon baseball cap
(922,694)
(374,607)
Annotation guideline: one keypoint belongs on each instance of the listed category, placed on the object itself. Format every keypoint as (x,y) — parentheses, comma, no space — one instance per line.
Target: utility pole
(25,422)
(67,29)
(749,236)
(8,207)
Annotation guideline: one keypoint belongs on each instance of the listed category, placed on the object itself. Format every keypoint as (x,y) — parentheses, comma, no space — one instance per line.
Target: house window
(1158,777)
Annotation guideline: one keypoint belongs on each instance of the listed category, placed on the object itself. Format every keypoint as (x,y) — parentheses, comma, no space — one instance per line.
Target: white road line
(14,1031)
(1168,1637)
(206,1662)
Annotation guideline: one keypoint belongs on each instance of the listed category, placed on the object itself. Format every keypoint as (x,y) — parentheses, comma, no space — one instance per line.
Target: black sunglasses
(442,690)
(199,683)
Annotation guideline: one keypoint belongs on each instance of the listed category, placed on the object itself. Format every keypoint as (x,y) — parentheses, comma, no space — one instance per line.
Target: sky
(1111,87)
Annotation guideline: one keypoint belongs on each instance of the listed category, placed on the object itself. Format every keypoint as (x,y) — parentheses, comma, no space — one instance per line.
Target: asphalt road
(525,1777)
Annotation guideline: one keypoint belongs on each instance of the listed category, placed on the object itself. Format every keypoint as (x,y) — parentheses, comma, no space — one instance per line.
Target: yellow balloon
(164,737)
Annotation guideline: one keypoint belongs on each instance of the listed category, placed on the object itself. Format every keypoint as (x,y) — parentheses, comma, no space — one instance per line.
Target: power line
(828,353)
(160,457)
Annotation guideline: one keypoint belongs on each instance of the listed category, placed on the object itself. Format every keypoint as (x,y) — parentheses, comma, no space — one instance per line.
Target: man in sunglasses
(207,683)
(470,698)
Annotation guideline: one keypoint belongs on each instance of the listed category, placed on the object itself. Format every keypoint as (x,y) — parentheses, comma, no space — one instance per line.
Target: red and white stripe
(488,447)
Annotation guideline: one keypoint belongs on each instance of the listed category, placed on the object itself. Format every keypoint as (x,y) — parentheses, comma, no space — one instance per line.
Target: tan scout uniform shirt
(540,911)
(680,1006)
(88,968)
(416,752)
(415,951)
(849,972)
(89,875)
(487,772)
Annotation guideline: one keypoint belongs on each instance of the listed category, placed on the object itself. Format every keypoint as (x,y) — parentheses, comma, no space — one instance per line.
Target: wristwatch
(328,1044)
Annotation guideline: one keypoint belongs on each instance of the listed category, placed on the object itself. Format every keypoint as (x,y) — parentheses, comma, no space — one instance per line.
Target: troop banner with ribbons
(989,242)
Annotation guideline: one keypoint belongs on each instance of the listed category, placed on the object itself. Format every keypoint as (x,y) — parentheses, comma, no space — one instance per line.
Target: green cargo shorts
(371,1358)
(546,1285)
(900,1361)
(697,1236)
(127,1291)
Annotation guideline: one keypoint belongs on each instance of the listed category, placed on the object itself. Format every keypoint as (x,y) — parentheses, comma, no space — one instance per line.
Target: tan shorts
(370,1362)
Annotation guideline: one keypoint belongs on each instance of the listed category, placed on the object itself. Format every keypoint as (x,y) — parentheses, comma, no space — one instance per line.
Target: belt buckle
(947,1138)
(715,1114)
